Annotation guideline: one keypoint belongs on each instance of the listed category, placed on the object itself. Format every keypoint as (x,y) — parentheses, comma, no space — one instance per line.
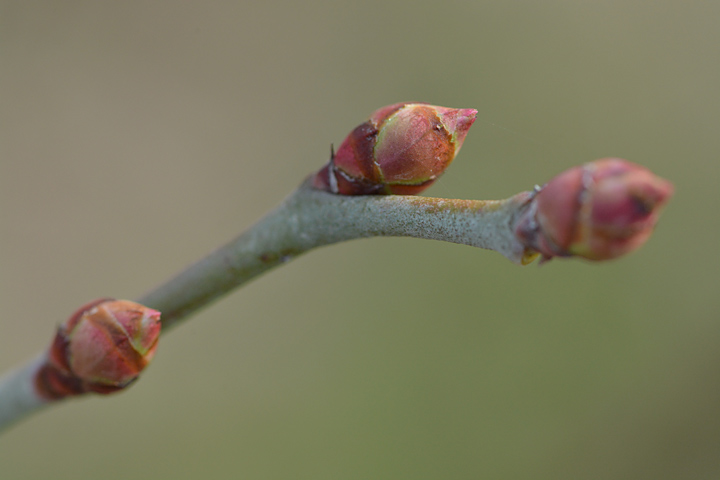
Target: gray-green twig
(306,219)
(310,218)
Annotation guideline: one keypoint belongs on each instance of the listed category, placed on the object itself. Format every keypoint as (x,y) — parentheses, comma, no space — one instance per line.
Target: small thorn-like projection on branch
(101,348)
(402,149)
(598,211)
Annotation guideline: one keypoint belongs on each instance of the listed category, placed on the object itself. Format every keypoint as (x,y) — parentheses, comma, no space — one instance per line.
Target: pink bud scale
(401,149)
(598,211)
(101,348)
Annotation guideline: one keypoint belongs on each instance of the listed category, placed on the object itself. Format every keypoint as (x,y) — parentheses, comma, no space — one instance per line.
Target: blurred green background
(137,136)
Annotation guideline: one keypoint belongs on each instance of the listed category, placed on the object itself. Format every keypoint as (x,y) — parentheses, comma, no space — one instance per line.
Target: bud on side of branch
(402,149)
(101,348)
(598,211)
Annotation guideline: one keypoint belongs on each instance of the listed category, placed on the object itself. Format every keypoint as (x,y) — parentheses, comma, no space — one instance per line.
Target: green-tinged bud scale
(401,149)
(101,348)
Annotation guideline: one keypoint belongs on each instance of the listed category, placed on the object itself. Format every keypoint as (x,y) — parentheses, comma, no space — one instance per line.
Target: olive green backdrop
(137,136)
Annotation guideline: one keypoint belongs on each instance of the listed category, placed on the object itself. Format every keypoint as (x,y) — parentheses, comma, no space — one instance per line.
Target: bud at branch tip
(598,211)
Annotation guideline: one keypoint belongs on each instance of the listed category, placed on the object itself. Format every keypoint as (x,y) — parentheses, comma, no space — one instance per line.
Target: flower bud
(402,149)
(101,348)
(599,211)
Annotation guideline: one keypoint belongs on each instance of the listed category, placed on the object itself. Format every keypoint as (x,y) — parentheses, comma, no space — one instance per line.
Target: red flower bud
(101,348)
(402,149)
(599,211)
